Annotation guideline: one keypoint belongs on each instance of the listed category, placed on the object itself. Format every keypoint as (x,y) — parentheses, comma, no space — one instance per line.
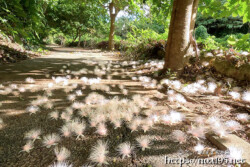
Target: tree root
(183,94)
(236,104)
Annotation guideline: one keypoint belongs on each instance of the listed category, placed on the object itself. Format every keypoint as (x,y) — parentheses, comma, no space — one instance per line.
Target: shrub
(240,44)
(201,32)
(152,50)
(209,43)
(102,45)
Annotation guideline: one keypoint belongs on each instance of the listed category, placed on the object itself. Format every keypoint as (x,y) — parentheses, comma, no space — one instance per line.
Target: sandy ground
(17,121)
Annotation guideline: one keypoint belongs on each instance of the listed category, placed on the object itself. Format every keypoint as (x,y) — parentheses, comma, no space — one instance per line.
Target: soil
(17,121)
(13,52)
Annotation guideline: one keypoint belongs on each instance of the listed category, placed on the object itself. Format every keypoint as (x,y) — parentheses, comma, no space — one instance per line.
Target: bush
(201,32)
(102,45)
(144,36)
(151,50)
(209,43)
(240,44)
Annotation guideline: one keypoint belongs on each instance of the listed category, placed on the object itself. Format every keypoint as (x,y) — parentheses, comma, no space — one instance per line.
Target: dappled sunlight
(69,108)
(124,83)
(12,112)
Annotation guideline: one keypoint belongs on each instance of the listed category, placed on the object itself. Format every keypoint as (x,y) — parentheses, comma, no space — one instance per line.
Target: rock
(245,53)
(248,135)
(209,54)
(207,57)
(228,69)
(219,55)
(231,140)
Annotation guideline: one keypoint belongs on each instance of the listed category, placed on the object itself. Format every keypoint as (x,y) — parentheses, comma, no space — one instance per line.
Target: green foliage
(161,10)
(209,43)
(125,25)
(143,36)
(201,32)
(132,5)
(73,17)
(241,44)
(222,26)
(32,22)
(151,50)
(23,20)
(238,8)
(226,8)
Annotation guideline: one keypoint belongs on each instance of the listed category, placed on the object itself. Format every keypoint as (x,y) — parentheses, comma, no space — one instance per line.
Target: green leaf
(231,40)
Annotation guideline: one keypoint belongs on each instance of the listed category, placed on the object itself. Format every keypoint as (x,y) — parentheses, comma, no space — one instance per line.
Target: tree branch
(104,6)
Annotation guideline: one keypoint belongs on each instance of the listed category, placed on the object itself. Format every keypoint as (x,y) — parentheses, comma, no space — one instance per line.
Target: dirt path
(17,121)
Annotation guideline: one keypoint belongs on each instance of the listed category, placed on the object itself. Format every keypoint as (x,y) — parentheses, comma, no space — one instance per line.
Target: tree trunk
(194,14)
(79,38)
(77,31)
(181,28)
(113,11)
(111,45)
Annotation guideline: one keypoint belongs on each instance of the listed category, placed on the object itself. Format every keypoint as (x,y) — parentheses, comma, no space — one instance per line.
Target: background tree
(114,7)
(72,17)
(223,26)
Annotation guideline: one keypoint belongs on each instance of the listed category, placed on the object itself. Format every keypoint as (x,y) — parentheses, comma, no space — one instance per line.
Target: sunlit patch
(236,89)
(101,87)
(235,153)
(246,96)
(240,117)
(233,125)
(199,148)
(211,87)
(235,95)
(89,109)
(176,117)
(30,80)
(95,98)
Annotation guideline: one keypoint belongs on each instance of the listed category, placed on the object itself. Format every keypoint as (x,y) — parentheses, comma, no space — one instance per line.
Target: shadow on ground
(17,121)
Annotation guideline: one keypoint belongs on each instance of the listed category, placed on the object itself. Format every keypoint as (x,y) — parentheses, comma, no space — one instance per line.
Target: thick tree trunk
(181,28)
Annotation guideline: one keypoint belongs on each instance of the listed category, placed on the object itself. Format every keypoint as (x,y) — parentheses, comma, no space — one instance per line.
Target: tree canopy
(33,22)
